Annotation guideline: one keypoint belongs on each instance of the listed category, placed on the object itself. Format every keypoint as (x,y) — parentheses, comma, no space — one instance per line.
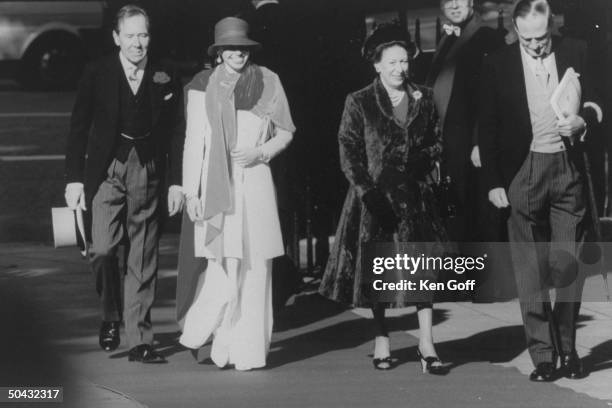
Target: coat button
(401,167)
(403,206)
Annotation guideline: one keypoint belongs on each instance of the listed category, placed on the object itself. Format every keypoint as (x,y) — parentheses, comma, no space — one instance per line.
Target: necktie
(541,72)
(132,73)
(451,29)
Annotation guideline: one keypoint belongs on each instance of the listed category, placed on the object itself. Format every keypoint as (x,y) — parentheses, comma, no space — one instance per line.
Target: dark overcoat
(379,151)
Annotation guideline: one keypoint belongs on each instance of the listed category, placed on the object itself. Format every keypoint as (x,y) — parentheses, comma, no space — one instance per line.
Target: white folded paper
(565,100)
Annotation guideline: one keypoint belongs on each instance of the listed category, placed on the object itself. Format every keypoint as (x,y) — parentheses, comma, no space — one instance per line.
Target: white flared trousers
(234,304)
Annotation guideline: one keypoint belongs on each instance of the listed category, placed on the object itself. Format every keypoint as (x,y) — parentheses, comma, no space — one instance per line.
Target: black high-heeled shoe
(431,365)
(383,363)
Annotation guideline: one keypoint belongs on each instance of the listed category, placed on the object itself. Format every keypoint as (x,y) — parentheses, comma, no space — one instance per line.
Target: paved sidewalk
(320,354)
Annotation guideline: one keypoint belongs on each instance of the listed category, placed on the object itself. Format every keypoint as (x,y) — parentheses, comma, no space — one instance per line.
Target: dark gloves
(420,164)
(380,207)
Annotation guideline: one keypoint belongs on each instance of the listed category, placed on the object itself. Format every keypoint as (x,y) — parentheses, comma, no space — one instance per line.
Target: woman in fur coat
(389,142)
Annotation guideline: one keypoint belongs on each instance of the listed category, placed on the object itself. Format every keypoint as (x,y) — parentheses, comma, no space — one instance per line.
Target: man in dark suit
(126,118)
(531,162)
(455,78)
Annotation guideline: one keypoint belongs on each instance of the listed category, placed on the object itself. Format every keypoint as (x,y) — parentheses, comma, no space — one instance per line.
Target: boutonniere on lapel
(160,77)
(417,95)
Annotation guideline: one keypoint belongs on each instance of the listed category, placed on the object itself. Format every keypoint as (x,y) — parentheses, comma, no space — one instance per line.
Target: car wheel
(52,62)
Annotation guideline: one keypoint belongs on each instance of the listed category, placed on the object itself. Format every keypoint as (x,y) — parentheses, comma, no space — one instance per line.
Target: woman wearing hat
(389,142)
(238,119)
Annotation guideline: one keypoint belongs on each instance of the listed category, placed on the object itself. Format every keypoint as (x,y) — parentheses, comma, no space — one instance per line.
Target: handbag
(446,197)
(266,131)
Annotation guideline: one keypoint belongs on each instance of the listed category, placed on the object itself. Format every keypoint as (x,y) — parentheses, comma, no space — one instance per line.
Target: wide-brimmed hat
(385,34)
(232,31)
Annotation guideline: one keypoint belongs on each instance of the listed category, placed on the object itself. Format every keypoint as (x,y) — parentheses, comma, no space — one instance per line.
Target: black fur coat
(379,151)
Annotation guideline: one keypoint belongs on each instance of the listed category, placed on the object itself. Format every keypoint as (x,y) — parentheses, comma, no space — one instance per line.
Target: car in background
(45,44)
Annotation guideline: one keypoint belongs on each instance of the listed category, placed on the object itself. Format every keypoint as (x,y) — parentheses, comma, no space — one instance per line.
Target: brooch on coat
(161,77)
(417,95)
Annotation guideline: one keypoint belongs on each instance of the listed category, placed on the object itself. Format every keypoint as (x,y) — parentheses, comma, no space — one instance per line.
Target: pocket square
(167,97)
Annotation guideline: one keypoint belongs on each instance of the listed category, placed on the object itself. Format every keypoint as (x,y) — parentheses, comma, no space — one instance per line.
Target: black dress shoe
(571,366)
(109,336)
(145,354)
(544,372)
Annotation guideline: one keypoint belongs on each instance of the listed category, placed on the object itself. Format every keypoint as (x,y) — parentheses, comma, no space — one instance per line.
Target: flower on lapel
(417,95)
(160,77)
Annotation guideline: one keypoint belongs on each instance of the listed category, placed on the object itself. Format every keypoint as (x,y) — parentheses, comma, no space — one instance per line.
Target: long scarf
(227,92)
(222,118)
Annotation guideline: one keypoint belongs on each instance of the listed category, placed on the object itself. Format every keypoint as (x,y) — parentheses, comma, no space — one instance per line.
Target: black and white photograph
(305,203)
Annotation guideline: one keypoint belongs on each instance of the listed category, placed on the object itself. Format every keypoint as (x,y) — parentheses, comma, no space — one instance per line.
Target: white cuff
(176,188)
(74,186)
(264,155)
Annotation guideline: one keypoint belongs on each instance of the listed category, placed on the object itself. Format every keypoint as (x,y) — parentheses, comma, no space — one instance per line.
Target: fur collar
(384,102)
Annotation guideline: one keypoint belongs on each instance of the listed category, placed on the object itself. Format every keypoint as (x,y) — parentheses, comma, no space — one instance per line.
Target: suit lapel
(111,88)
(154,92)
(516,76)
(414,105)
(561,58)
(445,79)
(438,48)
(466,35)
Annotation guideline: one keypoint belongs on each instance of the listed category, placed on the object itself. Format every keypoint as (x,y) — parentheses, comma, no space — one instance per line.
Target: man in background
(455,76)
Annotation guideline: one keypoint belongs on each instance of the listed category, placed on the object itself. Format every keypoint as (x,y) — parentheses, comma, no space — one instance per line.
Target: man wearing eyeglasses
(455,78)
(531,160)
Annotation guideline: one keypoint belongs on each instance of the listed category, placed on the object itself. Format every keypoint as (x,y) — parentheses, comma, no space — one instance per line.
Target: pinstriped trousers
(126,203)
(547,208)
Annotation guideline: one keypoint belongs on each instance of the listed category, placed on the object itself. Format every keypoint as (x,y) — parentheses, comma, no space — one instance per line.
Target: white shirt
(549,62)
(129,68)
(541,79)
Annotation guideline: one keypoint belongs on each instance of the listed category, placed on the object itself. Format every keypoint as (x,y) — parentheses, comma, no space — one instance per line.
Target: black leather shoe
(109,336)
(571,366)
(144,353)
(544,372)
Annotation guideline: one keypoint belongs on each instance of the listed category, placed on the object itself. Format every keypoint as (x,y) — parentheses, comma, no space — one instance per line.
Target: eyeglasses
(449,4)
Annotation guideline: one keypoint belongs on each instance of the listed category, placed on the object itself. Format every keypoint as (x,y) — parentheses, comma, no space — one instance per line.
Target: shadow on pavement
(497,345)
(600,357)
(305,310)
(349,333)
